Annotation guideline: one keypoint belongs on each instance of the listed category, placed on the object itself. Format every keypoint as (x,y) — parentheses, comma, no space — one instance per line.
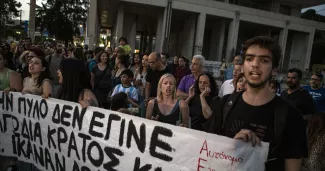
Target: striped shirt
(131,91)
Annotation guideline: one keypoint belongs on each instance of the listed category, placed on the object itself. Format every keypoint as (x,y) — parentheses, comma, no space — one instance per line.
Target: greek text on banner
(61,136)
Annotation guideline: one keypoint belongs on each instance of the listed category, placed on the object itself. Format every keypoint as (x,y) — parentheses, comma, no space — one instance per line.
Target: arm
(134,104)
(149,109)
(185,113)
(181,94)
(191,95)
(147,91)
(293,164)
(89,99)
(47,89)
(15,82)
(206,110)
(92,80)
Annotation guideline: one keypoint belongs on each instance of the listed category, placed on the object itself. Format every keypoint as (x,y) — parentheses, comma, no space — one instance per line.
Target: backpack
(280,116)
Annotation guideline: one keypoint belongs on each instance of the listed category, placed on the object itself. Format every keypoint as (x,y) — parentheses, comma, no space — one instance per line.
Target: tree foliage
(62,17)
(8,10)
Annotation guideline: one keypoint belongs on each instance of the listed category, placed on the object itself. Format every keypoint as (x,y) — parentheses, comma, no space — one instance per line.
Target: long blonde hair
(159,90)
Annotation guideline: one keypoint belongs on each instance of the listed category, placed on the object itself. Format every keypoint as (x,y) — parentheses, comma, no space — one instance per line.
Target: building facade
(214,28)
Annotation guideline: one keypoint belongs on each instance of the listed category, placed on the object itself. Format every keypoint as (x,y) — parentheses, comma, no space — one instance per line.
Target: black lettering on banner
(158,169)
(73,145)
(5,117)
(43,105)
(111,153)
(15,123)
(56,114)
(14,145)
(96,162)
(75,166)
(156,142)
(84,143)
(30,130)
(78,117)
(37,133)
(48,160)
(39,156)
(132,132)
(30,106)
(50,139)
(65,114)
(62,137)
(146,167)
(94,123)
(22,103)
(111,118)
(1,127)
(29,150)
(9,101)
(2,100)
(24,130)
(36,109)
(20,147)
(58,163)
(121,138)
(84,168)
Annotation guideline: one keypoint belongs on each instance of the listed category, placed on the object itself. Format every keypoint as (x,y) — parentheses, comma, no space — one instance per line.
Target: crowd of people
(248,106)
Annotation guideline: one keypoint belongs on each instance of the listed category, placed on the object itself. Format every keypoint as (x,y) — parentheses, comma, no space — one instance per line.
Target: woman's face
(145,61)
(29,56)
(204,82)
(136,59)
(60,76)
(168,86)
(21,49)
(2,62)
(108,50)
(241,84)
(35,66)
(103,58)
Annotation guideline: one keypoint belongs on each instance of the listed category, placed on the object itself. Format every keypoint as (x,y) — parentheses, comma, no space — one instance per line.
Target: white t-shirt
(226,88)
(131,91)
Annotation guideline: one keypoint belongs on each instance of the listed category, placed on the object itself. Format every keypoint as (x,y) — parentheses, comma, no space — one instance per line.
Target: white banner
(61,136)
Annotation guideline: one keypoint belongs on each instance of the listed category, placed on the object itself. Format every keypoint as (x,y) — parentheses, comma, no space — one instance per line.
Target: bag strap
(101,76)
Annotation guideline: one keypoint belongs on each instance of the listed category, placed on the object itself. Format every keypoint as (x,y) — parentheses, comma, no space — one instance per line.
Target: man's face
(237,60)
(152,61)
(116,52)
(164,59)
(125,79)
(257,66)
(122,43)
(315,82)
(196,66)
(292,80)
(59,48)
(181,62)
(237,71)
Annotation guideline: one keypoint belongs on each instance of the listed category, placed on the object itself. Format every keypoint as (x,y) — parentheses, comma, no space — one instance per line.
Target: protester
(140,78)
(182,70)
(316,140)
(101,79)
(153,75)
(136,62)
(125,46)
(38,81)
(166,107)
(121,63)
(19,50)
(23,67)
(164,58)
(75,84)
(91,60)
(172,67)
(9,80)
(202,96)
(54,61)
(187,81)
(317,92)
(228,87)
(109,50)
(258,114)
(296,95)
(117,52)
(126,87)
(240,83)
(230,69)
(275,87)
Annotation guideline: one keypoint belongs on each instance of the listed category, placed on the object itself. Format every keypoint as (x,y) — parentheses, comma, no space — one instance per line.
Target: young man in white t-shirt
(126,87)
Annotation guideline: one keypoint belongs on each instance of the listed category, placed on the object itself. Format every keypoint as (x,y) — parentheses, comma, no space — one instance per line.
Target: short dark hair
(296,70)
(127,72)
(165,54)
(118,101)
(124,60)
(266,43)
(183,57)
(319,75)
(99,55)
(124,39)
(38,51)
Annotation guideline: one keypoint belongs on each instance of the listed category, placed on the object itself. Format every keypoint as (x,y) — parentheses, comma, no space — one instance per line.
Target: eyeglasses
(152,62)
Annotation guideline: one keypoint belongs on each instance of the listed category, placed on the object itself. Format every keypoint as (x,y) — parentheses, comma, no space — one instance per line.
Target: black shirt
(300,99)
(102,83)
(153,77)
(198,121)
(260,120)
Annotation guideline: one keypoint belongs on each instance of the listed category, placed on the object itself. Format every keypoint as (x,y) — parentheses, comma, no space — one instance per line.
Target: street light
(18,32)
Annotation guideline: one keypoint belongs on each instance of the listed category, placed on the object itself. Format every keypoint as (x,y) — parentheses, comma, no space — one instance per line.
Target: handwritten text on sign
(61,136)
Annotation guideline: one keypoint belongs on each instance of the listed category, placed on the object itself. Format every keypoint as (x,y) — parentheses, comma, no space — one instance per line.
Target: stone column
(119,25)
(92,21)
(283,43)
(309,49)
(199,37)
(233,37)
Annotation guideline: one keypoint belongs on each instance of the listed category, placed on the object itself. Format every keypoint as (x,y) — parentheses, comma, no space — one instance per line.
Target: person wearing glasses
(317,92)
(153,75)
(38,80)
